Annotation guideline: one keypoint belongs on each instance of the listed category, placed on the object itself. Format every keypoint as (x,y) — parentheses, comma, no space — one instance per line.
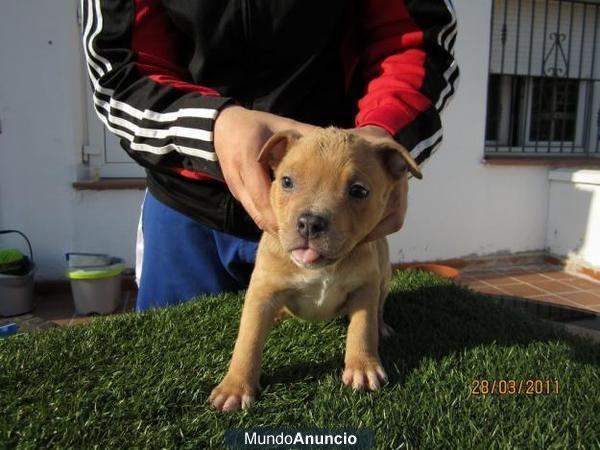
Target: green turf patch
(143,380)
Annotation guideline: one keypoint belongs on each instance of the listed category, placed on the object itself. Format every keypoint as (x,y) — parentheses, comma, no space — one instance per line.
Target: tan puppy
(330,190)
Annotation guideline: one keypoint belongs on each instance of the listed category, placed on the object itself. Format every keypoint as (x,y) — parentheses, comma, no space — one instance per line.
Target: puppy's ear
(277,146)
(397,159)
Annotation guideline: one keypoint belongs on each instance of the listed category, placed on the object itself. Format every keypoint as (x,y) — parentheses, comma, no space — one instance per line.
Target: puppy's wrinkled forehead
(333,149)
(330,140)
(327,154)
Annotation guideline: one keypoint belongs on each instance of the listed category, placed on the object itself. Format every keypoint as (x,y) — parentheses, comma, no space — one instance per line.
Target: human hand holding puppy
(239,135)
(395,212)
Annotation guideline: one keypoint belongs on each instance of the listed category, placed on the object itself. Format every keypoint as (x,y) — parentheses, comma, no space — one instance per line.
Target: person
(193,89)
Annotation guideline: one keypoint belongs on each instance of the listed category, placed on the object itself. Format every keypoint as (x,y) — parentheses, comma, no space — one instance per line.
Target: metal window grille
(544,80)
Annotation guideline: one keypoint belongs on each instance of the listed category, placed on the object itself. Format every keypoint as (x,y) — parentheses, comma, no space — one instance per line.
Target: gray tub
(16,293)
(97,290)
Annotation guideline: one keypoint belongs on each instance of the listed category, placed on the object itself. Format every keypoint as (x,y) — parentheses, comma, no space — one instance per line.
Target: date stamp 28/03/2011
(515,387)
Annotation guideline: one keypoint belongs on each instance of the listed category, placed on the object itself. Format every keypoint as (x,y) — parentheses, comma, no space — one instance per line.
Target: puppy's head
(330,189)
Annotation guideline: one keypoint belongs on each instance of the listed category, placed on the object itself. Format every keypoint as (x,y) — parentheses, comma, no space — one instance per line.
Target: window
(535,111)
(543,87)
(553,118)
(103,150)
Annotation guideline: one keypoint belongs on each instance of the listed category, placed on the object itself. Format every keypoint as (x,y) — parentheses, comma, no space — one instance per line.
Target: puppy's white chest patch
(325,289)
(318,297)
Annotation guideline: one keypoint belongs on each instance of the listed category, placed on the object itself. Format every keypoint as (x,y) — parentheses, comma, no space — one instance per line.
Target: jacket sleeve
(142,93)
(409,69)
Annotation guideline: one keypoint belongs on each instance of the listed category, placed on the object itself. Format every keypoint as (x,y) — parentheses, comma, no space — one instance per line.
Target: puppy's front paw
(364,374)
(232,394)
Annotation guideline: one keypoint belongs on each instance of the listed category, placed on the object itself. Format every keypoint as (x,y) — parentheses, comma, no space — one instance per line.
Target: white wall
(574,215)
(41,114)
(463,207)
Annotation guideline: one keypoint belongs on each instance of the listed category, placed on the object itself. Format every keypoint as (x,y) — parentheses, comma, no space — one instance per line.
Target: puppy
(330,190)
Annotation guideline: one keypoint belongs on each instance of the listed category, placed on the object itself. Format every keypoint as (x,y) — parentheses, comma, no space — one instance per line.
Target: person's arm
(409,70)
(410,74)
(143,93)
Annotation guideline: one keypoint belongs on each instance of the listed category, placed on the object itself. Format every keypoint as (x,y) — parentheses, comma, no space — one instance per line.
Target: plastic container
(8,329)
(17,285)
(97,290)
(87,260)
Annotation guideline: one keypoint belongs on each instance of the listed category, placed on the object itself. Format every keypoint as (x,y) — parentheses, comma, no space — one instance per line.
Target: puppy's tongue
(305,255)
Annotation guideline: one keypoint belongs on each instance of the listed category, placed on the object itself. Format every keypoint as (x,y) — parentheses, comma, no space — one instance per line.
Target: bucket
(96,289)
(17,285)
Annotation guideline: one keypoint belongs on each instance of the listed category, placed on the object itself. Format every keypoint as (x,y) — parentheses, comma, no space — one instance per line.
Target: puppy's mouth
(306,256)
(309,257)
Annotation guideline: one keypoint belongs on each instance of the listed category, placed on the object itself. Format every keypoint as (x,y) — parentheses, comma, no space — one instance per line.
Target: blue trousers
(183,259)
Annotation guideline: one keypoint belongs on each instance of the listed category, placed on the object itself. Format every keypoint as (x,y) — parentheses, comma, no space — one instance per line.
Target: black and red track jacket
(162,70)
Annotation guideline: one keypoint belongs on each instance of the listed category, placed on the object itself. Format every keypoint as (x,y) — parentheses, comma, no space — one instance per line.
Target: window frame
(531,33)
(522,127)
(103,146)
(577,143)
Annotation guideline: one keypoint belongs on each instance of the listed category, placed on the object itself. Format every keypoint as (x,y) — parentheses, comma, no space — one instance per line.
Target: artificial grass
(143,380)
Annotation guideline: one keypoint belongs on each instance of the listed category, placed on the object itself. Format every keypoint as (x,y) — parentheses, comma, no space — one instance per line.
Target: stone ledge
(107,184)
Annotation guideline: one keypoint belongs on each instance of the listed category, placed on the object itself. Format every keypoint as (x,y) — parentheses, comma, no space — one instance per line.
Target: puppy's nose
(311,226)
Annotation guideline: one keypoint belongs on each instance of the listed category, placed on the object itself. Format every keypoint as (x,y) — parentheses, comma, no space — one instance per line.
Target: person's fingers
(395,212)
(257,216)
(305,128)
(240,193)
(282,124)
(388,225)
(247,179)
(256,187)
(371,133)
(233,182)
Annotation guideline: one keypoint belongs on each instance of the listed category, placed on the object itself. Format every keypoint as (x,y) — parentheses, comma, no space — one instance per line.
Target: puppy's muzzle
(311,226)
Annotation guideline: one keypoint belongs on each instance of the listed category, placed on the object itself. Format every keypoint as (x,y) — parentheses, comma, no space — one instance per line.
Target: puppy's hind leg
(385,330)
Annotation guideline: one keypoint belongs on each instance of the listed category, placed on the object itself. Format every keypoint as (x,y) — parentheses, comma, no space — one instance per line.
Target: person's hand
(395,211)
(239,134)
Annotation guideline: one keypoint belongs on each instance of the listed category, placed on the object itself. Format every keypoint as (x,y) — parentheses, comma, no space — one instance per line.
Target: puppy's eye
(358,191)
(287,183)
